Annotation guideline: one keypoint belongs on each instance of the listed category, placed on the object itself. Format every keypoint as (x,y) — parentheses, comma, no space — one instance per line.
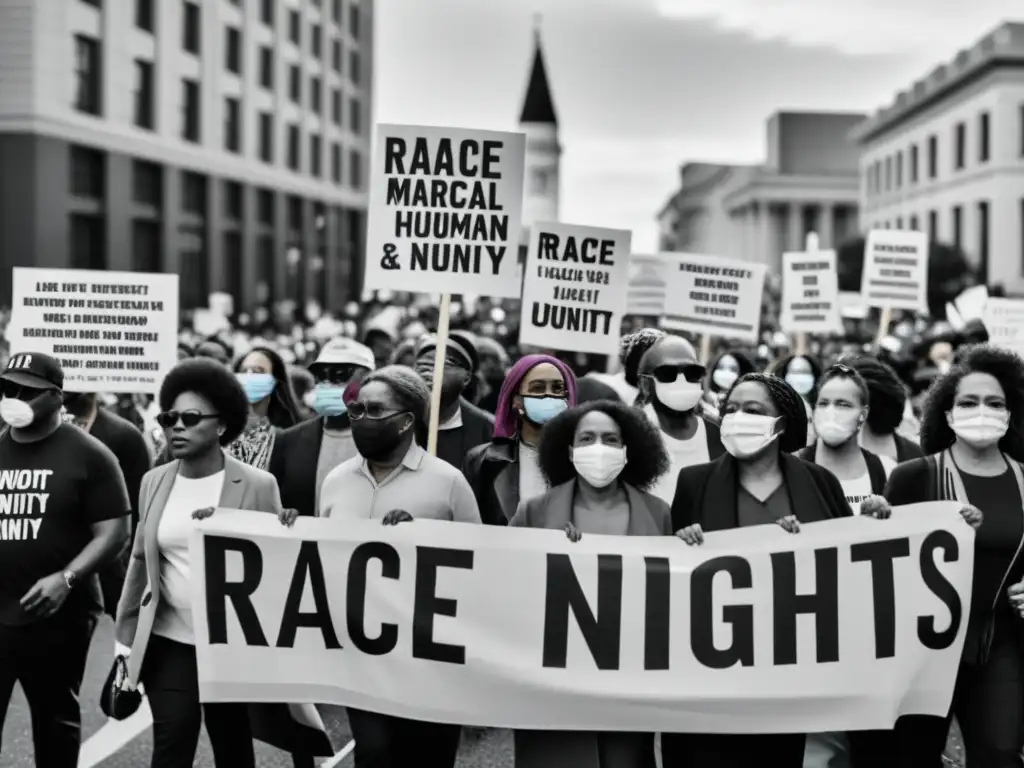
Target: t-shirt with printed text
(51,493)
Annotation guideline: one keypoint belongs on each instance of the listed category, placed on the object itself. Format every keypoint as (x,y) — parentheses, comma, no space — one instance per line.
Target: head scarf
(506,421)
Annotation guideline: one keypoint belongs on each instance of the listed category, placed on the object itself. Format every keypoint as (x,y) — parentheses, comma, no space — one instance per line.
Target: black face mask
(377,439)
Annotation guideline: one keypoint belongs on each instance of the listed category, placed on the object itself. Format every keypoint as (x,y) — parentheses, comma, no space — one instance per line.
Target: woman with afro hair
(757,482)
(599,459)
(972,429)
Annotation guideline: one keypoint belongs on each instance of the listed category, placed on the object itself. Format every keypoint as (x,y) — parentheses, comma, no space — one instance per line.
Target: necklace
(254,446)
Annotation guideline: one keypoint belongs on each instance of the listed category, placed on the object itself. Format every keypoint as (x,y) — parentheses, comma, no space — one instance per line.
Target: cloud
(864,27)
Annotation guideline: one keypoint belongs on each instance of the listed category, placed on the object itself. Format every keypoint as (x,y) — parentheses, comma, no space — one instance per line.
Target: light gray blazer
(244,488)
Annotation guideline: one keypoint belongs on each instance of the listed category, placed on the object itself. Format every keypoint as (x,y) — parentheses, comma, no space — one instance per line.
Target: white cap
(342,351)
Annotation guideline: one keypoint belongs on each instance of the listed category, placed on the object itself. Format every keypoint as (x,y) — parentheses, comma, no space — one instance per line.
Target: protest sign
(648,276)
(574,292)
(111,331)
(1004,321)
(895,270)
(714,296)
(445,211)
(810,293)
(847,625)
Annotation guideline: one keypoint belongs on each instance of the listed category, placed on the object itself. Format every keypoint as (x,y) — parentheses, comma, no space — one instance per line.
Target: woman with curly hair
(600,459)
(972,429)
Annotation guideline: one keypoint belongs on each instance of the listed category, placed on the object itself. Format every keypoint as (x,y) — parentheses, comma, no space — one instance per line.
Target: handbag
(116,701)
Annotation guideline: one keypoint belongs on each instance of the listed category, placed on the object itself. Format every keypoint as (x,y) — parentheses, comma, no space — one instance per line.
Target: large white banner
(846,625)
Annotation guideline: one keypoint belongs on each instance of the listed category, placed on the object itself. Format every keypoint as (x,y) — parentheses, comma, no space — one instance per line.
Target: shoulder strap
(934,475)
(876,472)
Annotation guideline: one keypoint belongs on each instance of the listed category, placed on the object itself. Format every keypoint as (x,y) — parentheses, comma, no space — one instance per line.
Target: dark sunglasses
(188,419)
(373,412)
(19,392)
(667,374)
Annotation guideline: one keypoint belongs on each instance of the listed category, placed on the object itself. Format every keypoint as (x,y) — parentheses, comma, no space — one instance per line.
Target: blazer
(477,428)
(293,463)
(244,488)
(492,470)
(648,515)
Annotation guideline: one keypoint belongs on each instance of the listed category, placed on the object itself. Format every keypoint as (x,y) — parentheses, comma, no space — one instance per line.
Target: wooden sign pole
(443,323)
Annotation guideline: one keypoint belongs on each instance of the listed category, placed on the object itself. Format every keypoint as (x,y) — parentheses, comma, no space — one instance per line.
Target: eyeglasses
(667,374)
(188,419)
(18,392)
(372,411)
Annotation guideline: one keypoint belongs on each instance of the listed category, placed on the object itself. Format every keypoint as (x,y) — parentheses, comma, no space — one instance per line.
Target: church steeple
(538,106)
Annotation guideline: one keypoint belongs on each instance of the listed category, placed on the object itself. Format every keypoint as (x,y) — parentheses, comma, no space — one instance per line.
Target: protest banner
(574,291)
(714,296)
(895,270)
(445,211)
(847,625)
(1004,321)
(810,293)
(111,331)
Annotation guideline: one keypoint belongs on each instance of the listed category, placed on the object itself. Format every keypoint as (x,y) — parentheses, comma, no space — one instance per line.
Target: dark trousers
(700,750)
(48,659)
(383,741)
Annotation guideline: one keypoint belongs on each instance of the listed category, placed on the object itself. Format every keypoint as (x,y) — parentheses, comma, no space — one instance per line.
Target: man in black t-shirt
(64,513)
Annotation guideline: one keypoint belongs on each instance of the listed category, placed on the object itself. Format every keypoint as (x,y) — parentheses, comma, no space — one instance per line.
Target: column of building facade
(826,225)
(764,233)
(795,227)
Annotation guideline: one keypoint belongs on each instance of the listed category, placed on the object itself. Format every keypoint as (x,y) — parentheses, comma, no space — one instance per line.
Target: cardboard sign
(574,292)
(445,211)
(111,331)
(810,293)
(648,281)
(784,633)
(895,270)
(714,296)
(1004,320)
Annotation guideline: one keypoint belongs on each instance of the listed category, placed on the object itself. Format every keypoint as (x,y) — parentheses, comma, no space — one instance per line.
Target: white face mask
(980,427)
(803,383)
(17,413)
(681,395)
(724,379)
(747,434)
(835,426)
(600,465)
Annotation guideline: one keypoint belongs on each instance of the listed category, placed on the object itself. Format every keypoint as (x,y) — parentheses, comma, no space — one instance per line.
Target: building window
(961,145)
(899,222)
(353,20)
(914,223)
(87,75)
(336,55)
(190,111)
(265,207)
(316,44)
(87,247)
(353,67)
(88,173)
(899,170)
(233,51)
(355,116)
(231,279)
(144,16)
(878,175)
(888,174)
(914,164)
(293,147)
(295,83)
(193,193)
(94,3)
(147,245)
(315,103)
(147,184)
(984,127)
(983,241)
(267,67)
(267,12)
(193,265)
(190,30)
(314,156)
(232,201)
(933,225)
(1022,130)
(143,94)
(336,11)
(336,163)
(933,157)
(294,27)
(266,137)
(355,169)
(232,125)
(336,107)
(958,225)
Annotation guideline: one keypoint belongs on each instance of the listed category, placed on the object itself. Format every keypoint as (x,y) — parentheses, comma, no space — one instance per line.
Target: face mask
(329,401)
(17,413)
(541,410)
(980,427)
(599,465)
(724,379)
(803,383)
(257,386)
(377,439)
(309,398)
(680,395)
(746,434)
(836,426)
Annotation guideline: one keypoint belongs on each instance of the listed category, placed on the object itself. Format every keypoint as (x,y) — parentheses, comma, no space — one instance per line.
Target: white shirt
(856,491)
(174,615)
(531,479)
(681,454)
(453,423)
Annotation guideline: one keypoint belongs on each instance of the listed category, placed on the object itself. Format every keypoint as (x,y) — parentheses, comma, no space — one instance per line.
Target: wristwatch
(69,579)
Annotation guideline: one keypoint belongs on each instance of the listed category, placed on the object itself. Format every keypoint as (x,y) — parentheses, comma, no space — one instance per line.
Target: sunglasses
(19,392)
(373,412)
(667,374)
(188,419)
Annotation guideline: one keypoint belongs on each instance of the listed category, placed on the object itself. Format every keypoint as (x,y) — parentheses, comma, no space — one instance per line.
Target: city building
(947,157)
(809,182)
(222,140)
(539,121)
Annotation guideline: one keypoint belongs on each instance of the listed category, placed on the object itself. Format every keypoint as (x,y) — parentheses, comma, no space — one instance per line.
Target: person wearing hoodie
(305,454)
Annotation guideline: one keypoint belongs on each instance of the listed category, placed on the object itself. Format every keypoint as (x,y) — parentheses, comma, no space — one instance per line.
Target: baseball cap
(342,351)
(459,343)
(34,369)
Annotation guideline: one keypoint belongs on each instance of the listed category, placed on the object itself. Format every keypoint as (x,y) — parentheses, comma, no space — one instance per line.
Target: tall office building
(226,141)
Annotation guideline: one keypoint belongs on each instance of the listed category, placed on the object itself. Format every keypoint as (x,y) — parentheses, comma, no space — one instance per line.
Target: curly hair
(781,367)
(1006,367)
(845,373)
(214,383)
(646,457)
(412,394)
(633,347)
(283,411)
(887,397)
(789,404)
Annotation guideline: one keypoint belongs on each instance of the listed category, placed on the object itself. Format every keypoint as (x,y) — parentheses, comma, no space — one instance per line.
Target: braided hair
(632,349)
(789,404)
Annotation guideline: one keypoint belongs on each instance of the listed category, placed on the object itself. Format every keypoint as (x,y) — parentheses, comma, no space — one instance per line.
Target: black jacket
(492,470)
(477,428)
(293,463)
(876,470)
(129,446)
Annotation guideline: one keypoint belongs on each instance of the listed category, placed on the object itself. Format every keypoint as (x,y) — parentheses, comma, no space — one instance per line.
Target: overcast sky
(642,86)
